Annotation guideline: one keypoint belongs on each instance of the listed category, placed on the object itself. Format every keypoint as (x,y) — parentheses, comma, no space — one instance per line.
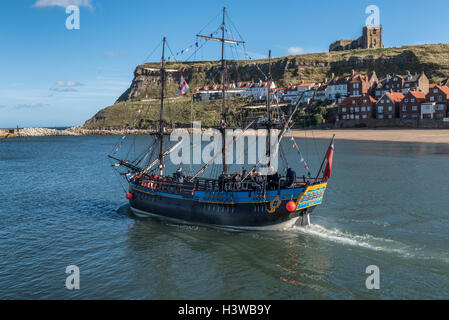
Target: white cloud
(114,54)
(295,50)
(68,84)
(63,3)
(30,106)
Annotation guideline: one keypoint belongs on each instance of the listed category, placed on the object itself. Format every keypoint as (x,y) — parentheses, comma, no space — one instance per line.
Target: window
(390,108)
(380,116)
(404,108)
(356,109)
(357,116)
(368,108)
(405,100)
(343,109)
(382,101)
(364,116)
(412,100)
(440,107)
(343,117)
(440,98)
(353,101)
(387,86)
(414,108)
(407,85)
(363,109)
(432,98)
(380,109)
(435,90)
(414,116)
(390,116)
(395,79)
(439,116)
(404,116)
(352,109)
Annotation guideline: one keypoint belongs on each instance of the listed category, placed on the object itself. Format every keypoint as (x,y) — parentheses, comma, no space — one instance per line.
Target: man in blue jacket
(290,177)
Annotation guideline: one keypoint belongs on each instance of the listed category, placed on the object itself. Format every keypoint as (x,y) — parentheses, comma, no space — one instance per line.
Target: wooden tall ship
(271,203)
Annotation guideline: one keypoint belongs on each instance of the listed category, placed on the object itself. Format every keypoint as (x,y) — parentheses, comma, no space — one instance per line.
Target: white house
(259,91)
(427,110)
(337,87)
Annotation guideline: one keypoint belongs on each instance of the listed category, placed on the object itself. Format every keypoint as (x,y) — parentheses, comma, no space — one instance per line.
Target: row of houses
(413,104)
(257,91)
(359,96)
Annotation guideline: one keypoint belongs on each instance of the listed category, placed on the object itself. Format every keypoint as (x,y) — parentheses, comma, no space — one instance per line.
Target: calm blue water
(387,204)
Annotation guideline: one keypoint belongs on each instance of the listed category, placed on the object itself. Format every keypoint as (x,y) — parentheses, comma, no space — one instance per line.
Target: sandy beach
(397,135)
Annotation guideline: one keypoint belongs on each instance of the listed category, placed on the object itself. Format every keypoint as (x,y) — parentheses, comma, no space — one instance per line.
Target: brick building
(411,105)
(387,107)
(439,95)
(402,83)
(354,108)
(359,85)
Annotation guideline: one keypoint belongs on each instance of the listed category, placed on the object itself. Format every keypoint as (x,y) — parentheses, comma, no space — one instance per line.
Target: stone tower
(372,37)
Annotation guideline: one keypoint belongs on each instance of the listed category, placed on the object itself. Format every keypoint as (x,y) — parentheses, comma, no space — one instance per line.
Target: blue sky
(51,76)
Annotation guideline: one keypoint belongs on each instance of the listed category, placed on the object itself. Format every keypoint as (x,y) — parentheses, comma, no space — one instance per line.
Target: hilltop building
(371,39)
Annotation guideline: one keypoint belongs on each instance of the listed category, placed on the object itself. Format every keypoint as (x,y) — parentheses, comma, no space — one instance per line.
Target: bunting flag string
(295,146)
(196,44)
(201,41)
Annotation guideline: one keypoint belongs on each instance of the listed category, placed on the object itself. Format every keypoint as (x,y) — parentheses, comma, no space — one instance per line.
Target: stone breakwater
(74,131)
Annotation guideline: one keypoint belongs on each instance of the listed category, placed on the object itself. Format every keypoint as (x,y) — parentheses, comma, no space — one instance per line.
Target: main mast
(161,121)
(223,122)
(223,95)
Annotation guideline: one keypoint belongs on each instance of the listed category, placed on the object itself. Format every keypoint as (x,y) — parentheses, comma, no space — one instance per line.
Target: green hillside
(432,59)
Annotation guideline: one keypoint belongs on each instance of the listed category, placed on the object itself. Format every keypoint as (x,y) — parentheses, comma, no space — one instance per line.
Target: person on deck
(178,175)
(273,181)
(259,181)
(290,178)
(237,181)
(222,180)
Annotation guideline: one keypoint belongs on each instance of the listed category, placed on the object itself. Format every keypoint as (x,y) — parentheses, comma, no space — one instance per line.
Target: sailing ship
(245,204)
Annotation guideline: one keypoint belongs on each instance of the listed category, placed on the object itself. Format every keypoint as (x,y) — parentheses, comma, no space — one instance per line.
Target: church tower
(372,37)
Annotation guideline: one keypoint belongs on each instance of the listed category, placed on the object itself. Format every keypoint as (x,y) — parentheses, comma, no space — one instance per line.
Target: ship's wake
(364,241)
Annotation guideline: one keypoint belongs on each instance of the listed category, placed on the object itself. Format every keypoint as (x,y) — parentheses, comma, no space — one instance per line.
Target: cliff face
(432,59)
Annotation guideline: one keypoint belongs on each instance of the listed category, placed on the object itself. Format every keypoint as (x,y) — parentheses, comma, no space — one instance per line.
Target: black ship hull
(245,210)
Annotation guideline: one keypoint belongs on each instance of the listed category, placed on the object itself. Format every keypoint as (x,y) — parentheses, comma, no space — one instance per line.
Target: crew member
(290,178)
(178,175)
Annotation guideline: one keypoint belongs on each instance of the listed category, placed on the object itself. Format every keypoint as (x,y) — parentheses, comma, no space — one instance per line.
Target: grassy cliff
(432,59)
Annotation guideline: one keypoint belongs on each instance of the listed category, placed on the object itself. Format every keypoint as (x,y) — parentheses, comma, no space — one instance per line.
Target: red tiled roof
(348,100)
(444,89)
(418,94)
(395,96)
